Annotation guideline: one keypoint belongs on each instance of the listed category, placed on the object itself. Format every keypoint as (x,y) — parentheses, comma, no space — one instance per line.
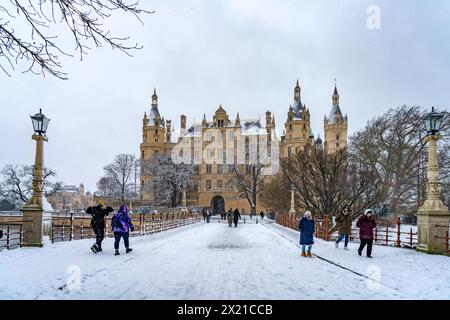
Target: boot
(129,250)
(94,248)
(309,254)
(117,253)
(303,254)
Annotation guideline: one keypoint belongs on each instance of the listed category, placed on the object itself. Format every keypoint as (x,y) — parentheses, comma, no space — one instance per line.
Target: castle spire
(154,98)
(297,91)
(335,96)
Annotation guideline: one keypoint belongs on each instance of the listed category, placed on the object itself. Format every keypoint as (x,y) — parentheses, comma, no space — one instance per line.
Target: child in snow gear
(121,226)
(98,213)
(236,217)
(306,226)
(344,222)
(366,223)
(230,218)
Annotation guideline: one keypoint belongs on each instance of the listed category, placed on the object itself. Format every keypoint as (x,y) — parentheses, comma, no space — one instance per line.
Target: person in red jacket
(366,223)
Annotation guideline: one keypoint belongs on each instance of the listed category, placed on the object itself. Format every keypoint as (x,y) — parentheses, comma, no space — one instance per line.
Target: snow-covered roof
(335,110)
(252,128)
(298,107)
(154,113)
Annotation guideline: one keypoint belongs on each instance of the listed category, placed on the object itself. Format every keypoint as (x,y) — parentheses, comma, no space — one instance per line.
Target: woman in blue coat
(306,227)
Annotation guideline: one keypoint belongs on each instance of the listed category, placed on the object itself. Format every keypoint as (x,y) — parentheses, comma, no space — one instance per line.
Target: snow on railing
(401,235)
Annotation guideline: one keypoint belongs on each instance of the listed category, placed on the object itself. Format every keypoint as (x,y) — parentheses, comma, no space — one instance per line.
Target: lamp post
(432,217)
(292,211)
(33,210)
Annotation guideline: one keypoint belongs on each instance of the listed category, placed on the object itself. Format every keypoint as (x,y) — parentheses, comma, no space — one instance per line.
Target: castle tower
(335,125)
(155,140)
(81,189)
(168,131)
(238,121)
(220,118)
(297,126)
(182,124)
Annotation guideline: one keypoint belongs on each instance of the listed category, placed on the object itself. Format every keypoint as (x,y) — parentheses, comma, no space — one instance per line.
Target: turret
(238,121)
(182,124)
(168,131)
(297,92)
(154,99)
(335,125)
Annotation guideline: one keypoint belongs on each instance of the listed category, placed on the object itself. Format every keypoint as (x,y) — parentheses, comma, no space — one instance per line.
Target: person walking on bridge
(236,217)
(230,217)
(366,223)
(344,222)
(306,226)
(99,212)
(121,225)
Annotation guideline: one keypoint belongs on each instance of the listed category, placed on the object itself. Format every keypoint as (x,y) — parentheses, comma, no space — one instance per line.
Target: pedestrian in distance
(236,217)
(262,215)
(366,223)
(121,226)
(204,214)
(208,215)
(344,223)
(230,216)
(306,226)
(98,212)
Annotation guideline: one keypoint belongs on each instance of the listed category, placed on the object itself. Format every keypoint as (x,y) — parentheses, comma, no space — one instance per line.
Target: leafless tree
(276,193)
(25,31)
(394,146)
(17,184)
(249,181)
(168,180)
(324,182)
(118,182)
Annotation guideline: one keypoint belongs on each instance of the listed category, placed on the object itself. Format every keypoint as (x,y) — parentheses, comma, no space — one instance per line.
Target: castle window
(208,169)
(304,126)
(337,137)
(156,132)
(289,151)
(248,169)
(220,169)
(290,127)
(208,184)
(337,144)
(219,184)
(142,155)
(156,140)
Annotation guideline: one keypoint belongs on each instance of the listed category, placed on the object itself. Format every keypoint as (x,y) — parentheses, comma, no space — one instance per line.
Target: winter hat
(367,211)
(308,214)
(100,202)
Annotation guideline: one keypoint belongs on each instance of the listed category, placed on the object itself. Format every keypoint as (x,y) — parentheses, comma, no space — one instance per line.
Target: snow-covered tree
(119,180)
(168,179)
(17,184)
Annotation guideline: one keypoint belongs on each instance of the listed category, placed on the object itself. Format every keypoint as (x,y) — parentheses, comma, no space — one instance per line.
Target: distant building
(71,198)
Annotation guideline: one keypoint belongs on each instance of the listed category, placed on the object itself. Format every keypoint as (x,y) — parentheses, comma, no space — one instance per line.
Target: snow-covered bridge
(213,261)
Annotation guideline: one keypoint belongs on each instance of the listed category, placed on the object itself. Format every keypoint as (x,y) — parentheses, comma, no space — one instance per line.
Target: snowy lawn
(213,261)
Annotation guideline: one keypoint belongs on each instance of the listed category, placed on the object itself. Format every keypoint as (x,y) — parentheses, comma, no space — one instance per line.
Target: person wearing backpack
(98,212)
(121,226)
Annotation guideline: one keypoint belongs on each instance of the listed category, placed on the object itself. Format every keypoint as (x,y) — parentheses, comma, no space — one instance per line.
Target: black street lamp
(40,123)
(433,122)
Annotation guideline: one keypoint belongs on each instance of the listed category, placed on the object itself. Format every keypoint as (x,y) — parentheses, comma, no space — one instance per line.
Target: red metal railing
(74,228)
(382,235)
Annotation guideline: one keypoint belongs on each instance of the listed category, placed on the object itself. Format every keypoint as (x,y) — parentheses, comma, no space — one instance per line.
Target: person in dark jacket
(230,217)
(344,222)
(366,223)
(208,215)
(204,214)
(236,217)
(98,213)
(306,226)
(262,215)
(121,226)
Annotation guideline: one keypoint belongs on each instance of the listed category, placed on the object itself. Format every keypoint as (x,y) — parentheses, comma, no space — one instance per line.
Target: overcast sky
(243,54)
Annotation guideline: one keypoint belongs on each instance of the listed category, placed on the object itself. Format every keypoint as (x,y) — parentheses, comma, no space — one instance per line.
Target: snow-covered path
(212,261)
